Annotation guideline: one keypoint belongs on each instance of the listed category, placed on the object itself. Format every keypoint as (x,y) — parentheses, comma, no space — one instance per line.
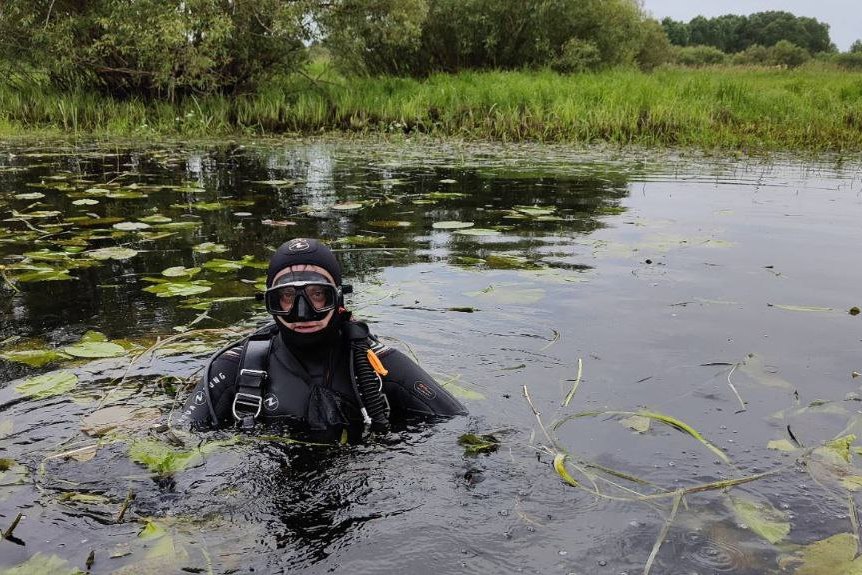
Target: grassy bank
(806,109)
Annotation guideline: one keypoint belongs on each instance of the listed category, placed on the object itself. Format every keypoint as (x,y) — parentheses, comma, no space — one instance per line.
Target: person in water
(314,369)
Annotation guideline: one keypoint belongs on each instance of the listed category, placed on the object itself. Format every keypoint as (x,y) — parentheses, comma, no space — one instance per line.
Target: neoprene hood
(303,251)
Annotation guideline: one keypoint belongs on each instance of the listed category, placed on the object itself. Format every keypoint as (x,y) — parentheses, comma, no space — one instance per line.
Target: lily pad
(42,274)
(179,289)
(29,196)
(155,219)
(348,206)
(125,195)
(223,266)
(762,518)
(40,563)
(131,226)
(180,271)
(452,225)
(34,357)
(95,349)
(360,240)
(113,253)
(834,555)
(178,225)
(209,248)
(85,202)
(388,224)
(477,232)
(48,384)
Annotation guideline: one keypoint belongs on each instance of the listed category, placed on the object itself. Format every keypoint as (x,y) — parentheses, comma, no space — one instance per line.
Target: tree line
(163,49)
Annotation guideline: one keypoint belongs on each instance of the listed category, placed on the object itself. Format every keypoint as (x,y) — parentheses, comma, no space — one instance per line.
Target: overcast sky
(843,16)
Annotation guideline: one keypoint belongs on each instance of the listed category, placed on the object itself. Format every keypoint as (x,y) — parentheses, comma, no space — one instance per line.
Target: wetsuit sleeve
(213,395)
(411,391)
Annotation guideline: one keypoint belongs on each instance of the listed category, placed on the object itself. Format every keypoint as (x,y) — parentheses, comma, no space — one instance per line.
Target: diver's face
(305,326)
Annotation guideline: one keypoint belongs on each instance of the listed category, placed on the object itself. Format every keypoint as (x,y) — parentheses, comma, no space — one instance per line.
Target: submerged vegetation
(741,108)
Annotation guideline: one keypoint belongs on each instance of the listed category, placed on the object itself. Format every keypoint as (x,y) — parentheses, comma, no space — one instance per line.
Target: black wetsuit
(311,391)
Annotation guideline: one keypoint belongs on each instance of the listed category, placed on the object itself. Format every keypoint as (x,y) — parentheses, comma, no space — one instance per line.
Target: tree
(153,47)
(856,47)
(677,32)
(655,47)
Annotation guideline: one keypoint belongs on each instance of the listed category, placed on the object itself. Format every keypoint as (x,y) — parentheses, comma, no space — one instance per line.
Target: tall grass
(805,109)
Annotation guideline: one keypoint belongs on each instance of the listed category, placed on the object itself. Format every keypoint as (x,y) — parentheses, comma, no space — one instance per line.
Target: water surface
(668,277)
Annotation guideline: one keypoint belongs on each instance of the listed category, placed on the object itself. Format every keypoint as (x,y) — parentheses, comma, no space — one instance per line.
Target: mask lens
(321,297)
(282,299)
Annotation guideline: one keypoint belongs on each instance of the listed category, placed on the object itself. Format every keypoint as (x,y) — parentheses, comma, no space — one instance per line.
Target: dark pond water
(683,287)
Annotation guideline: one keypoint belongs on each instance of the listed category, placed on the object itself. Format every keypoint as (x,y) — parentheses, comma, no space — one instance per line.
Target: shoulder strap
(248,400)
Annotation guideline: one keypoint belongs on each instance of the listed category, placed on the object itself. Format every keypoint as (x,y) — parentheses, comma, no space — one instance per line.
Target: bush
(754,55)
(849,60)
(577,56)
(697,56)
(856,47)
(785,53)
(655,47)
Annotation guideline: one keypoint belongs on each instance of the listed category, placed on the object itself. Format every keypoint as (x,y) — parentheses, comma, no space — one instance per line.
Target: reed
(808,109)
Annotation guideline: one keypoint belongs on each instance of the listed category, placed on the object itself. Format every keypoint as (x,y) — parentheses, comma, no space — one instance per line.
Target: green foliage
(784,53)
(699,56)
(849,60)
(418,37)
(655,47)
(577,56)
(146,48)
(731,33)
(856,47)
(754,55)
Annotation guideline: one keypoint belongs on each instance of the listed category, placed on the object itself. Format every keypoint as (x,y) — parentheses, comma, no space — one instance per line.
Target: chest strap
(248,401)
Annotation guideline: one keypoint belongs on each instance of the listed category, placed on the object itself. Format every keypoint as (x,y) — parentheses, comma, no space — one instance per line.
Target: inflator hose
(368,386)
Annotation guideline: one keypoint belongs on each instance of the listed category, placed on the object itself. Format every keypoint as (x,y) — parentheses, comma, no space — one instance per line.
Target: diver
(314,371)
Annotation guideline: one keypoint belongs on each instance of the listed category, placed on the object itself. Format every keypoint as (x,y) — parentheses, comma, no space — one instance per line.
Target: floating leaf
(209,248)
(801,308)
(387,224)
(118,417)
(34,357)
(131,226)
(852,482)
(854,311)
(474,444)
(125,195)
(113,253)
(6,427)
(48,384)
(562,471)
(781,445)
(85,202)
(29,196)
(276,183)
(534,211)
(47,256)
(477,232)
(754,367)
(278,223)
(448,181)
(841,446)
(95,349)
(42,274)
(177,289)
(348,206)
(180,271)
(685,428)
(762,518)
(636,423)
(452,225)
(501,262)
(178,225)
(42,564)
(163,459)
(361,240)
(84,498)
(207,303)
(444,196)
(223,266)
(155,219)
(834,555)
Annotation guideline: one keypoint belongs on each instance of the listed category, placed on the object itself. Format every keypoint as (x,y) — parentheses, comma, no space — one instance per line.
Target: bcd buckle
(249,402)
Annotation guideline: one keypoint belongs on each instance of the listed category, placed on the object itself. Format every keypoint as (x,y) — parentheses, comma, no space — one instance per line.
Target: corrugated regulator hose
(369,386)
